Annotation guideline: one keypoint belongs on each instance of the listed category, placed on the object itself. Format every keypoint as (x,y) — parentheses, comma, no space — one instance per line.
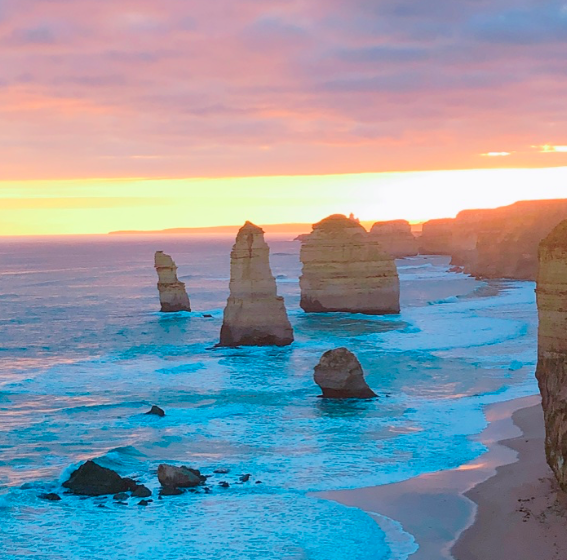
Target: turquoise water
(83,353)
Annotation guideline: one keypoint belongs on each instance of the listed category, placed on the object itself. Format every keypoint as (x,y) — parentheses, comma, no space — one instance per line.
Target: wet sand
(436,508)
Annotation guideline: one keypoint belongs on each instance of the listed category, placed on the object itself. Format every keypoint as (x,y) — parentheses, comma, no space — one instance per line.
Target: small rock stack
(172,294)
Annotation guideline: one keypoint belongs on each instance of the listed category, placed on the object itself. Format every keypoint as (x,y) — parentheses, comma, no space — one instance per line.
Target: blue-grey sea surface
(84,352)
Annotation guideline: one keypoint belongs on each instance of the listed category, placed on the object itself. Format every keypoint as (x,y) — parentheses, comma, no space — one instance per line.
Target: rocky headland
(396,238)
(172,294)
(346,269)
(340,376)
(254,315)
(495,243)
(552,347)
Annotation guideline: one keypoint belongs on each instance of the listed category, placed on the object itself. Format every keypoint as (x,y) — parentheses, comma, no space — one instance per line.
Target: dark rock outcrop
(178,477)
(340,376)
(141,491)
(172,294)
(396,238)
(156,411)
(91,479)
(254,315)
(552,347)
(51,497)
(346,269)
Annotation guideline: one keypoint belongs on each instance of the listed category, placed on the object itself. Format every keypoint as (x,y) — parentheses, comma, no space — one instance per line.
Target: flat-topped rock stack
(254,315)
(346,269)
(172,294)
(552,349)
(437,237)
(396,238)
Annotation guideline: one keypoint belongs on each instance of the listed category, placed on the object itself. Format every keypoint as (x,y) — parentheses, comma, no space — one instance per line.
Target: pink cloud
(190,88)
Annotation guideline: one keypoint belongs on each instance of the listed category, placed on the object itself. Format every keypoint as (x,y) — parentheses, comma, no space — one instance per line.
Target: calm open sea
(84,352)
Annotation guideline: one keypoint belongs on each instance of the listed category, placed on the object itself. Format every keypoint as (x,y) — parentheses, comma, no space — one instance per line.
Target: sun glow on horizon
(98,206)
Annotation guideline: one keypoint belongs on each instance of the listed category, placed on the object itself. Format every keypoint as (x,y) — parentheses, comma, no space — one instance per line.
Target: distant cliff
(396,238)
(495,243)
(552,347)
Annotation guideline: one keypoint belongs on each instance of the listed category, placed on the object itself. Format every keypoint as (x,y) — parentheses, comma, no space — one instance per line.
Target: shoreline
(521,512)
(452,494)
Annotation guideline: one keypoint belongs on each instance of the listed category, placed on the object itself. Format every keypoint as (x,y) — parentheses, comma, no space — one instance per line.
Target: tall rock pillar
(254,315)
(172,294)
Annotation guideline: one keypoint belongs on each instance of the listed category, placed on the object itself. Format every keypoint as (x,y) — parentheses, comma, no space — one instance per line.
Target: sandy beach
(522,514)
(519,515)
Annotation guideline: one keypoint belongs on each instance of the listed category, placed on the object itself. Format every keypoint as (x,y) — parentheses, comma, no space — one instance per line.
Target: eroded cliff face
(172,294)
(552,347)
(396,238)
(254,315)
(495,243)
(346,269)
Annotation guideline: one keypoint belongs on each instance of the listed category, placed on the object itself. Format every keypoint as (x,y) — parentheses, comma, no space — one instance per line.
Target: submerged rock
(552,349)
(346,269)
(120,497)
(91,479)
(396,238)
(51,497)
(172,294)
(156,411)
(178,477)
(340,376)
(141,491)
(254,315)
(170,491)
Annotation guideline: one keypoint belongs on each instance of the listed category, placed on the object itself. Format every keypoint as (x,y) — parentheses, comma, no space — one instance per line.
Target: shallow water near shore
(83,353)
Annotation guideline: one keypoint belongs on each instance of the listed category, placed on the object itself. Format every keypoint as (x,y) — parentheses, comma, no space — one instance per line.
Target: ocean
(84,353)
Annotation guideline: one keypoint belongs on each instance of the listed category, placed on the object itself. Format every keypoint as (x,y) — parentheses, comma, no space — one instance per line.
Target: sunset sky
(146,114)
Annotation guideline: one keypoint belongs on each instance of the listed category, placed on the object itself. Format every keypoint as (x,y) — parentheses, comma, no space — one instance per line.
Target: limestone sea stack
(346,269)
(396,238)
(254,315)
(340,376)
(437,237)
(552,348)
(172,294)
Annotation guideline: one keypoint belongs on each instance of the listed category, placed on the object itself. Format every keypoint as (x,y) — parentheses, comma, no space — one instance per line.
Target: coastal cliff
(172,294)
(254,314)
(346,269)
(495,243)
(552,347)
(396,238)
